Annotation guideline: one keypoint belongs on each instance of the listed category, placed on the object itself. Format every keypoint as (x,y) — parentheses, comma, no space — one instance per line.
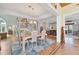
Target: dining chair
(24,43)
(34,38)
(43,37)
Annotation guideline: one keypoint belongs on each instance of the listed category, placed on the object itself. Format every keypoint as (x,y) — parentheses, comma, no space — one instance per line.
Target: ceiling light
(32,8)
(29,6)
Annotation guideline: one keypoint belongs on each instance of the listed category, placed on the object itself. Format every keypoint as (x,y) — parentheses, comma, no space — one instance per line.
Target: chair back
(34,36)
(43,33)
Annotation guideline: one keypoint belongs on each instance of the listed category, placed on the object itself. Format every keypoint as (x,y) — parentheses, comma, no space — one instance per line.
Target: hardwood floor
(52,48)
(71,46)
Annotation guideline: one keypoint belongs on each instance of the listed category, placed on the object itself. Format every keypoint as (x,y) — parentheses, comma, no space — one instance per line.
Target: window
(2,25)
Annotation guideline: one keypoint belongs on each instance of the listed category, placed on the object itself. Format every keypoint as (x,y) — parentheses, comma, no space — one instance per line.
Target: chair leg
(27,44)
(32,45)
(36,44)
(44,41)
(41,42)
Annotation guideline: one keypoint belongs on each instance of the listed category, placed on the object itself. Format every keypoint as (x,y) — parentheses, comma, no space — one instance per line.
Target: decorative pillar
(58,29)
(60,24)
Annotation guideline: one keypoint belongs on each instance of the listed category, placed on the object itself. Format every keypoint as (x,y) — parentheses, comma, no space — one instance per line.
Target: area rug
(16,50)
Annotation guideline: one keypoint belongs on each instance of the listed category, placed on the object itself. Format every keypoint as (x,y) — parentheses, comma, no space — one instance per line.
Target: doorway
(69,29)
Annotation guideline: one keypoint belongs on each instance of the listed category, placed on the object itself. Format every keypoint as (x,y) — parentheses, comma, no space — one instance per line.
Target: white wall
(76,26)
(45,23)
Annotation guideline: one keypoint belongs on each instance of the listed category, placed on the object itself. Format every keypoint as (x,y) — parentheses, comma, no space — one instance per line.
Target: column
(58,29)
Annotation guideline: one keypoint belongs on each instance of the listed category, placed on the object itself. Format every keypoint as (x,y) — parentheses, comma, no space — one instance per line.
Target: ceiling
(71,8)
(64,4)
(74,17)
(29,10)
(61,4)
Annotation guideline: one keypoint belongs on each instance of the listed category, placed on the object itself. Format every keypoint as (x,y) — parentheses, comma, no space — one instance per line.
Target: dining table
(26,38)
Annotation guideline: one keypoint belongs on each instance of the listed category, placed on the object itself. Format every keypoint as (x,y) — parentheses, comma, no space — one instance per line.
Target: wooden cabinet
(3,36)
(51,32)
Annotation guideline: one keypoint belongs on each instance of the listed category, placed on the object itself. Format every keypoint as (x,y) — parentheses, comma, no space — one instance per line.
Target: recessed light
(32,8)
(29,6)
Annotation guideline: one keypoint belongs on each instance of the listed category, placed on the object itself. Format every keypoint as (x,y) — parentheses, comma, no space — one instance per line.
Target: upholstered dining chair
(34,38)
(43,37)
